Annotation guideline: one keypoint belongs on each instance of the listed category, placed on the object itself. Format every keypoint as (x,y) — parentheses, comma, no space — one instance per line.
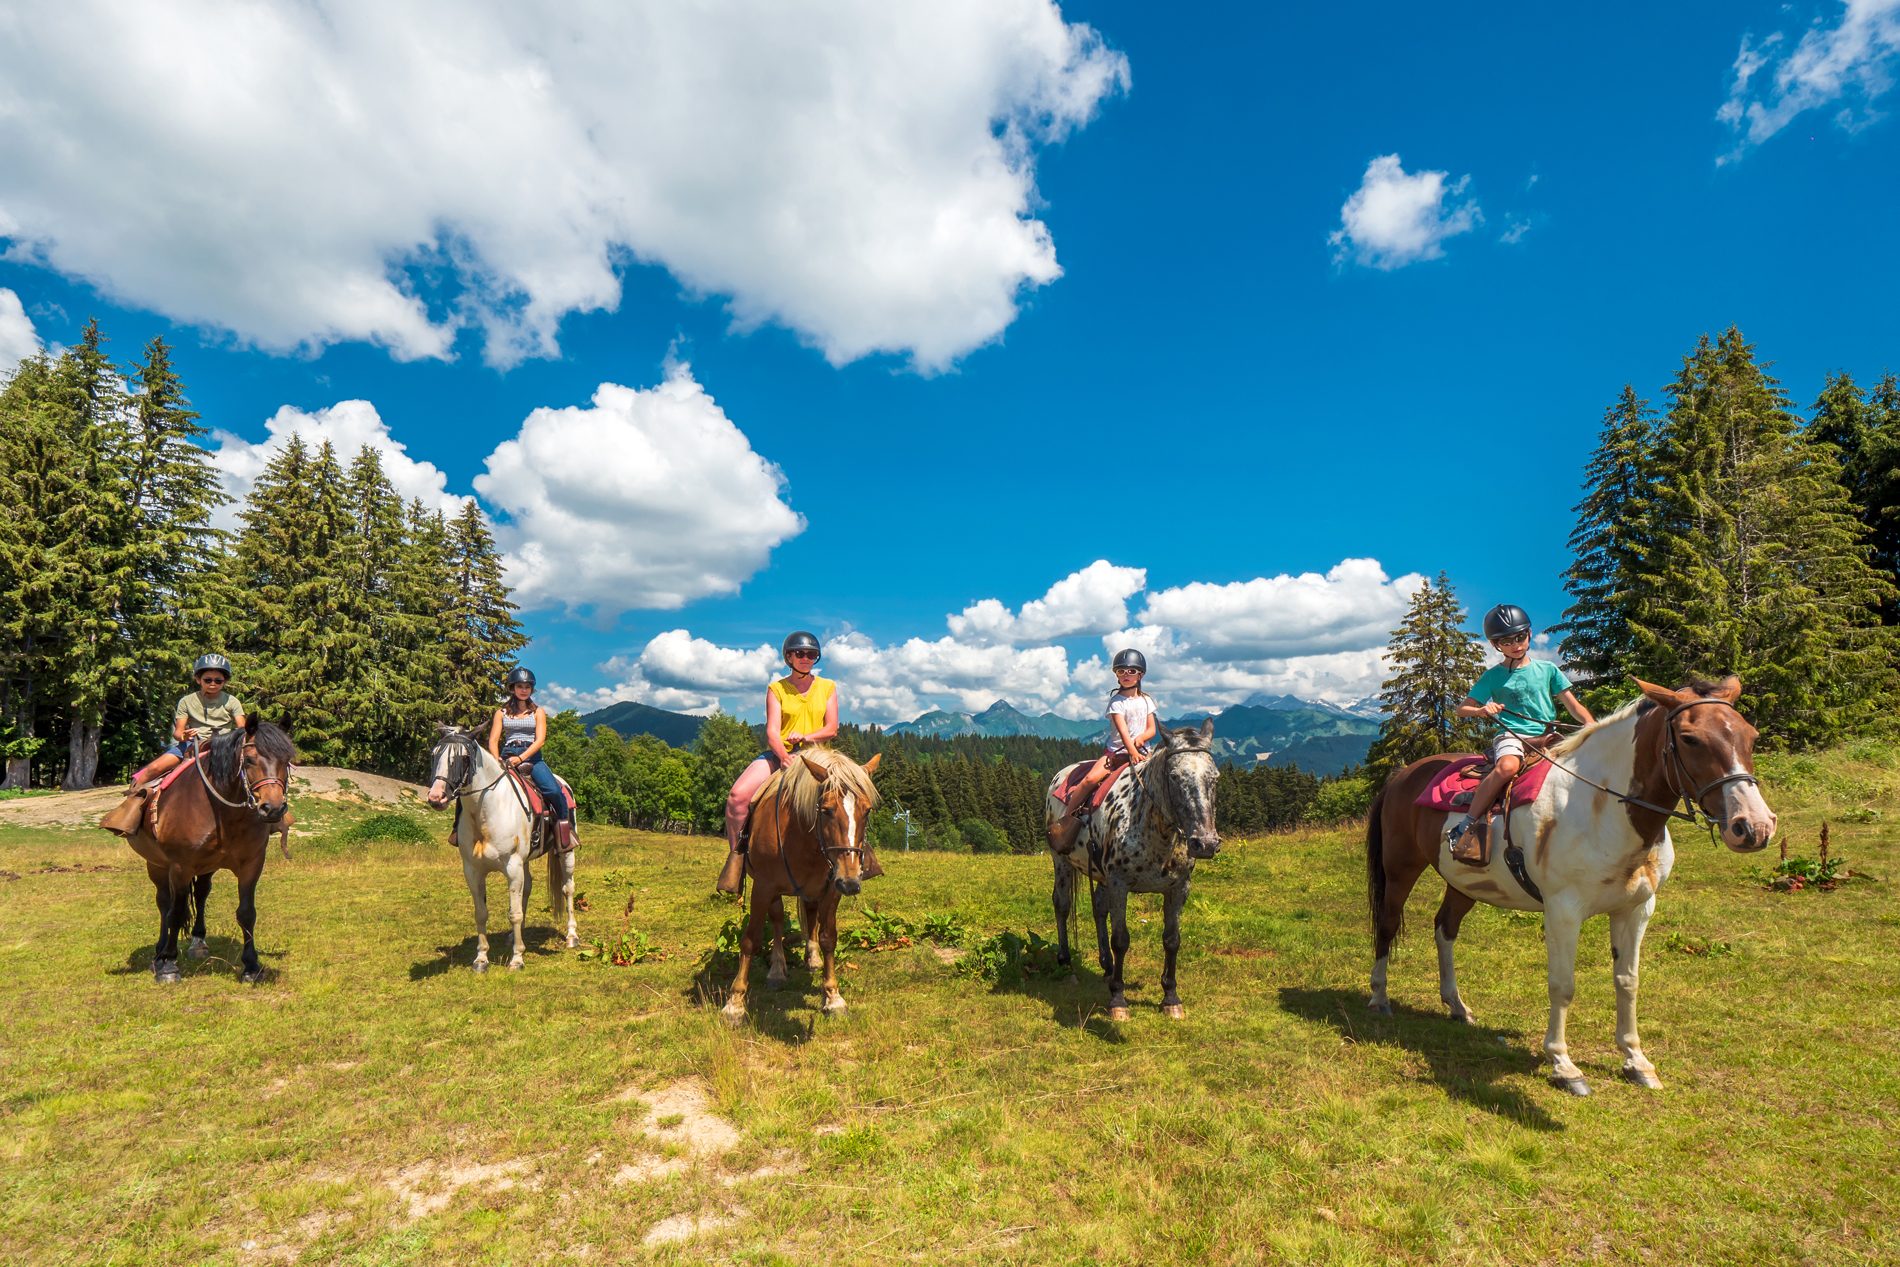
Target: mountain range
(1280,730)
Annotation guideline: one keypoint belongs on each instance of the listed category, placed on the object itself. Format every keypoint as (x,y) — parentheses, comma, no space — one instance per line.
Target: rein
(830,853)
(250,788)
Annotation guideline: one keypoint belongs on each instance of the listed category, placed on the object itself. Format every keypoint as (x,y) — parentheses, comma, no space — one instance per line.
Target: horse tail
(1375,863)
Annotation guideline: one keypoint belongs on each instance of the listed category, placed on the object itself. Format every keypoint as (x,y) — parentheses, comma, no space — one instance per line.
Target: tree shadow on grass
(541,942)
(1466,1061)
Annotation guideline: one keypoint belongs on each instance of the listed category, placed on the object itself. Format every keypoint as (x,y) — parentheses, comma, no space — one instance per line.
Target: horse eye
(1692,741)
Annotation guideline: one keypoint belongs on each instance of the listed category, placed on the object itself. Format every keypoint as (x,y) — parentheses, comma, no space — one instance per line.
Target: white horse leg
(1561,925)
(828,943)
(1626,946)
(518,884)
(777,929)
(1451,913)
(478,889)
(566,890)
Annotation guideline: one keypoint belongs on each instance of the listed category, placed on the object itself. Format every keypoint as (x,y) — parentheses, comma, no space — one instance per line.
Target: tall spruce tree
(1606,542)
(376,632)
(480,634)
(1865,435)
(1433,663)
(1753,562)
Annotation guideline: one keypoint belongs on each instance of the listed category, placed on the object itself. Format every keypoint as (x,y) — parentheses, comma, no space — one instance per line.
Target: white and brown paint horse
(1145,837)
(495,832)
(1595,841)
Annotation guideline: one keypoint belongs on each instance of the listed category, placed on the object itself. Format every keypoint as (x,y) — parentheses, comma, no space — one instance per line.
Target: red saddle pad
(1102,789)
(1458,777)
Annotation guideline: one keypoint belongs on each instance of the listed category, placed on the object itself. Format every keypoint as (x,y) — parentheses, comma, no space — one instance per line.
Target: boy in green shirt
(200,715)
(1522,694)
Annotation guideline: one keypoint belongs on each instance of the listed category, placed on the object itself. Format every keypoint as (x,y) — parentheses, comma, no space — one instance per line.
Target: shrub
(397,827)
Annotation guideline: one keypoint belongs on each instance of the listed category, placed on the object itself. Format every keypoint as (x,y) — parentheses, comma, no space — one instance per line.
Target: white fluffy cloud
(348,425)
(1209,646)
(649,498)
(1850,63)
(1394,218)
(304,172)
(18,339)
(646,499)
(1091,601)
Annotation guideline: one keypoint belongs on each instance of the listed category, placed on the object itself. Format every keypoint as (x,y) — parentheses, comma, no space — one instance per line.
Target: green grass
(946,1118)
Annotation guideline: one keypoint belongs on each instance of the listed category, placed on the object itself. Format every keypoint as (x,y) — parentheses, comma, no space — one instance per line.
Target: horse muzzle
(439,794)
(1203,846)
(848,886)
(274,813)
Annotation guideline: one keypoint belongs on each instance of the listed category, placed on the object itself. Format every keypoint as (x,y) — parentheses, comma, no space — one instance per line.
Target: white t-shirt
(1135,710)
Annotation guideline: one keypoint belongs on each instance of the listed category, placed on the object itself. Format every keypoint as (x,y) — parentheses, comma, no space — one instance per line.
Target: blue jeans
(537,769)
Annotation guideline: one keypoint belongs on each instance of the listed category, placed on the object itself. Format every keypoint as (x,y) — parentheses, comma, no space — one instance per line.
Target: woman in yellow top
(801,709)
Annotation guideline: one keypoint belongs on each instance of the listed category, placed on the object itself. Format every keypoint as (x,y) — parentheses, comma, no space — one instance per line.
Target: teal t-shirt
(1529,692)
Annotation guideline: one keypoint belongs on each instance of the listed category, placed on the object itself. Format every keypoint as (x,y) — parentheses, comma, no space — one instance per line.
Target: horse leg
(568,859)
(478,889)
(1393,881)
(1626,947)
(1064,897)
(164,965)
(1118,909)
(1562,922)
(1451,913)
(1098,906)
(808,924)
(749,942)
(520,882)
(200,892)
(253,971)
(779,926)
(1172,904)
(828,942)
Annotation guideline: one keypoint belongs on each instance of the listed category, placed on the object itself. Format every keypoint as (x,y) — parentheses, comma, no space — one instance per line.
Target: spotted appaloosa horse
(1595,842)
(219,814)
(1144,838)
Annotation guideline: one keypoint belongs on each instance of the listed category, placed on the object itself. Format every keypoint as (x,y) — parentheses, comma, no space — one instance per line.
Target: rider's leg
(1063,831)
(1470,839)
(738,807)
(124,818)
(557,802)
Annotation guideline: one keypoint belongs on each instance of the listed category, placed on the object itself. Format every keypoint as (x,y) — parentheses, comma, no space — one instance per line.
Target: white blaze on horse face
(1747,822)
(850,820)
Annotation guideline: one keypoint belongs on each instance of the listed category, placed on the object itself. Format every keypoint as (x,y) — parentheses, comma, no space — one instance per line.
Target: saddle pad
(1457,777)
(175,774)
(537,804)
(1102,789)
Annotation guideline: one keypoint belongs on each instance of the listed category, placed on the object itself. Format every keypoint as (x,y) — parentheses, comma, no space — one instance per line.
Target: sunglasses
(208,680)
(804,655)
(1511,641)
(1119,672)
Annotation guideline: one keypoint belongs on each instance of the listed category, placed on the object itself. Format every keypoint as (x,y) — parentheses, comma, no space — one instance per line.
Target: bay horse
(495,832)
(807,840)
(221,813)
(1145,837)
(1595,841)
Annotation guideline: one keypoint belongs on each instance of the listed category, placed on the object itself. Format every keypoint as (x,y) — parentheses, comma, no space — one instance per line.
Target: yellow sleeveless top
(802,714)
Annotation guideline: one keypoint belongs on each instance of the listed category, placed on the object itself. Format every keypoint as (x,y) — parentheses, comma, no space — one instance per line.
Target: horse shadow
(226,956)
(534,941)
(1077,998)
(1466,1061)
(790,1013)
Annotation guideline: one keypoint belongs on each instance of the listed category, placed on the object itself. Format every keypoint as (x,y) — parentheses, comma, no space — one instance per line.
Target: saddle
(1451,790)
(539,811)
(1102,789)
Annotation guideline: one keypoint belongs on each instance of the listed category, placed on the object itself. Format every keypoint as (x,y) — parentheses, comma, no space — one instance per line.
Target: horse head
(1705,746)
(258,758)
(843,815)
(451,764)
(1186,773)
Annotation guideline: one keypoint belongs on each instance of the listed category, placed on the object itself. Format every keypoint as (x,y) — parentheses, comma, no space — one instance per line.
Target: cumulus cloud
(1394,218)
(18,338)
(349,425)
(1209,646)
(305,172)
(645,499)
(1849,63)
(1090,601)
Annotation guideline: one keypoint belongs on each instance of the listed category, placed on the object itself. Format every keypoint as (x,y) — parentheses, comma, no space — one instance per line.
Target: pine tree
(1433,665)
(1865,435)
(1597,643)
(1753,561)
(480,634)
(386,713)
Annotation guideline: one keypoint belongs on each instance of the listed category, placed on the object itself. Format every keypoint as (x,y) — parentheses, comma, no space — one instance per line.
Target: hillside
(628,719)
(999,720)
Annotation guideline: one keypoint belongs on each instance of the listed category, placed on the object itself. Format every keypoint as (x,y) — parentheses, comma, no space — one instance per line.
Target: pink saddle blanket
(175,773)
(1102,789)
(1457,777)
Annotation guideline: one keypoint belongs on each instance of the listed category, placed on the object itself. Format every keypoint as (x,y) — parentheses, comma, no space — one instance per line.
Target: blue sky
(980,342)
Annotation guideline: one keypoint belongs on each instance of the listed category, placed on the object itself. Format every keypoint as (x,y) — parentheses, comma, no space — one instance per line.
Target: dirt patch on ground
(82,809)
(428,1187)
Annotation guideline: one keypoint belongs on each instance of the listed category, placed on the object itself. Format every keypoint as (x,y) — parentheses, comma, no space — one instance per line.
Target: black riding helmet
(1131,658)
(210,661)
(1504,621)
(518,675)
(798,640)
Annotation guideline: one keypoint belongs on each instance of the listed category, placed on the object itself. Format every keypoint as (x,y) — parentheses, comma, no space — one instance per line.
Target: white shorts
(1506,743)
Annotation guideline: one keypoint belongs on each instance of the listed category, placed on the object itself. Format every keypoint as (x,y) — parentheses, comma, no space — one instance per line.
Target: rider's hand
(792,738)
(513,762)
(1493,708)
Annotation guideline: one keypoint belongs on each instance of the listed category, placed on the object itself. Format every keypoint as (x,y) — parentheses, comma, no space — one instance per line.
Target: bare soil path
(82,809)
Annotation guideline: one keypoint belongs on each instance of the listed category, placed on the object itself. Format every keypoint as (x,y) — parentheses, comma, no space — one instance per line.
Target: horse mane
(1636,707)
(226,757)
(802,789)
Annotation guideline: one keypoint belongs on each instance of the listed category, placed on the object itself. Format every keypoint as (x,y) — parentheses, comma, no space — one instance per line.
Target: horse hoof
(251,976)
(1117,1013)
(1464,1017)
(481,965)
(775,980)
(1382,1007)
(1174,1012)
(834,1007)
(198,949)
(734,1015)
(514,965)
(165,972)
(1575,1086)
(1643,1077)
(573,941)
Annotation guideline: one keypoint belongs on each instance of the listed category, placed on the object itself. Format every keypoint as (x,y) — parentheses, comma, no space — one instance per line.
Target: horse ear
(1729,688)
(1162,732)
(1661,696)
(250,725)
(1207,728)
(816,770)
(870,767)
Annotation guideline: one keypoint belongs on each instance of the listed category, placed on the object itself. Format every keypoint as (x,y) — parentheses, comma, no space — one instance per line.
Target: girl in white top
(1131,727)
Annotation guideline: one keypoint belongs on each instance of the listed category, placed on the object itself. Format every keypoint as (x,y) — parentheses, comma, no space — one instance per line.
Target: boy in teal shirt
(1522,694)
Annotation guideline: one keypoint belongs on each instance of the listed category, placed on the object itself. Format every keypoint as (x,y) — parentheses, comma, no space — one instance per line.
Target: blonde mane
(1571,743)
(803,790)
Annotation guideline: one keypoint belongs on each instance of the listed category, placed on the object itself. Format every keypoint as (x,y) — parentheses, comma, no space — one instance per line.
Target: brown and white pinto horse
(807,840)
(1595,842)
(220,813)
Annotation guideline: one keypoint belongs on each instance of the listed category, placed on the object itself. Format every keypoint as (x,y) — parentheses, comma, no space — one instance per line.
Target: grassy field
(373,1101)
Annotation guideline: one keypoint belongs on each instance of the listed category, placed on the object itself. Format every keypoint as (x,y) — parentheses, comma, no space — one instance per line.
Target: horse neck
(486,774)
(1624,754)
(1151,788)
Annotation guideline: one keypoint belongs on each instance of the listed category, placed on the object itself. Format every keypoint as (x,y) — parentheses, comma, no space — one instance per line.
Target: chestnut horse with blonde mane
(1595,841)
(807,840)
